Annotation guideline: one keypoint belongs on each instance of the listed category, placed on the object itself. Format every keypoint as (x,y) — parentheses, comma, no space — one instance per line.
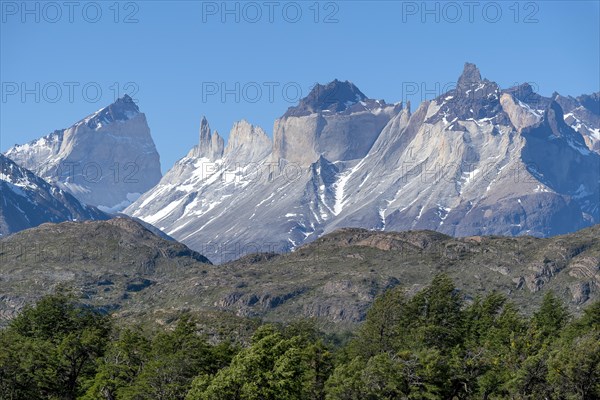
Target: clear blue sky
(179,51)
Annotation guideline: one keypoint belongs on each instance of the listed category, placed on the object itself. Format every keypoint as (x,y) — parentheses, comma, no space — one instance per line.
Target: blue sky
(176,57)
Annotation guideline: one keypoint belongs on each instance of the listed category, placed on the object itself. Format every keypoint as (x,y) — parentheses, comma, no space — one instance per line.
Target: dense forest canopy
(432,345)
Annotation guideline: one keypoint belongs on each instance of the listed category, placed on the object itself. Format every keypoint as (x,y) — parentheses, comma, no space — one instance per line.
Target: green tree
(434,317)
(379,332)
(380,377)
(174,359)
(53,348)
(120,366)
(273,367)
(501,346)
(529,378)
(423,336)
(549,319)
(574,361)
(320,366)
(574,368)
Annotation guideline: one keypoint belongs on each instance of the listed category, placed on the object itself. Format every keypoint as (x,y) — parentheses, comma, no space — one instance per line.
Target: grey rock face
(107,159)
(247,143)
(583,115)
(27,201)
(346,135)
(210,145)
(476,160)
(520,117)
(526,95)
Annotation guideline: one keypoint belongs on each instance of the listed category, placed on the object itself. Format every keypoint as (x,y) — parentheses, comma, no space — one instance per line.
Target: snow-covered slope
(476,160)
(107,159)
(250,198)
(583,114)
(27,200)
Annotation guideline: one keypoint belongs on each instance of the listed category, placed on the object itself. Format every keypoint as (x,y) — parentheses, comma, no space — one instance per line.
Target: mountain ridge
(27,200)
(475,160)
(123,268)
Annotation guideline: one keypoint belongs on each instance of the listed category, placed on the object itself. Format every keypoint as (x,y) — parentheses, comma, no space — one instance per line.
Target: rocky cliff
(107,159)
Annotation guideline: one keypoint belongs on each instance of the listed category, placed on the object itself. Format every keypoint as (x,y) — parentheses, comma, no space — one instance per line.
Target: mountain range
(477,160)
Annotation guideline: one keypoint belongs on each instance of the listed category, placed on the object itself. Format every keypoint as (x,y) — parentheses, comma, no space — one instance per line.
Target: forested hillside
(432,345)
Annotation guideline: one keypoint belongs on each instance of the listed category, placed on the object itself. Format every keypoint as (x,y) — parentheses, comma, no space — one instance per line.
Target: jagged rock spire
(469,76)
(205,134)
(210,144)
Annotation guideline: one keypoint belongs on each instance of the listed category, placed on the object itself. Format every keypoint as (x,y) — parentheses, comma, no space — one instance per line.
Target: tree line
(433,345)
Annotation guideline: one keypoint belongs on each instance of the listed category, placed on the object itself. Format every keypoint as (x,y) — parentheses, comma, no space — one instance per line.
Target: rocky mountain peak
(335,96)
(473,98)
(553,151)
(469,77)
(243,129)
(583,115)
(553,127)
(204,130)
(126,102)
(12,173)
(123,109)
(591,102)
(247,143)
(210,144)
(522,91)
(338,121)
(554,111)
(115,139)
